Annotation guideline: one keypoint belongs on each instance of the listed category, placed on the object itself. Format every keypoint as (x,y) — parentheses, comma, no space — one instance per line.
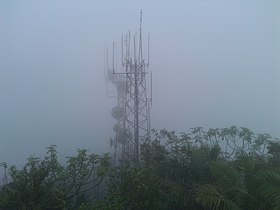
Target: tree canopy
(219,169)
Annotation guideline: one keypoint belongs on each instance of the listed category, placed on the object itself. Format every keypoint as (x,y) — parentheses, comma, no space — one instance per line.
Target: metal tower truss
(133,110)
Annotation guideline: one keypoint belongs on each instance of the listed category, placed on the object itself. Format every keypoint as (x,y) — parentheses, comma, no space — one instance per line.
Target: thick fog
(215,64)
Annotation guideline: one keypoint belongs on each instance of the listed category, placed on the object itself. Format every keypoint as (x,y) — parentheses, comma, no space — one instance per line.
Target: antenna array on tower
(133,109)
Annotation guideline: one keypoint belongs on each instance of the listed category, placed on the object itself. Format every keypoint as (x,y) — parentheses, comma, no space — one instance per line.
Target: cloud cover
(215,64)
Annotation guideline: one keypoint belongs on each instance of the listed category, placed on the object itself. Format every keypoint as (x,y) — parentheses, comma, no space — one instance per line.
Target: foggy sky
(215,63)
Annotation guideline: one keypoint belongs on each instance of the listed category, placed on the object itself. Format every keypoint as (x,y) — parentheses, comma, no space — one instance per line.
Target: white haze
(215,63)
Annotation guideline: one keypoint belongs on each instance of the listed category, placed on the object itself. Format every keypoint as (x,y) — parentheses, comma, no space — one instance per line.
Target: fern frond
(270,190)
(209,197)
(226,176)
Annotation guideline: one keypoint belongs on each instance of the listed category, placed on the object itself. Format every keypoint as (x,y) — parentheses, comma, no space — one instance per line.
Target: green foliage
(221,169)
(45,184)
(83,173)
(32,186)
(209,197)
(192,171)
(270,189)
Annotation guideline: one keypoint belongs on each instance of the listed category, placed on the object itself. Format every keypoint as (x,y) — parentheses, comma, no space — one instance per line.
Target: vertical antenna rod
(113,57)
(140,38)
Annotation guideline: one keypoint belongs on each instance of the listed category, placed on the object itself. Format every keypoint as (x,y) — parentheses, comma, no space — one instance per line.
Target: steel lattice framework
(133,110)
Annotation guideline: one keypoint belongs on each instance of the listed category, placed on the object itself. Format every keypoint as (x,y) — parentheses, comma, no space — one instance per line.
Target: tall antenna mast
(140,37)
(133,110)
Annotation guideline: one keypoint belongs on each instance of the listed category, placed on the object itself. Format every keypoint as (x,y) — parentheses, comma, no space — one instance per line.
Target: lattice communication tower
(133,104)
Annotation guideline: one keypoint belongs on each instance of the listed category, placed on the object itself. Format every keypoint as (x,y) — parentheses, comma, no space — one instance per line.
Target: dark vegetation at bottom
(223,169)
